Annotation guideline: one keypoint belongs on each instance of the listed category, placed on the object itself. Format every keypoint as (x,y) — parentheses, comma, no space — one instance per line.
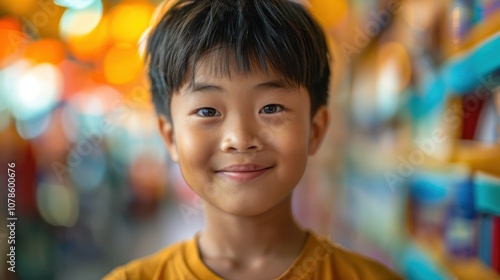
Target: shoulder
(152,266)
(325,259)
(362,267)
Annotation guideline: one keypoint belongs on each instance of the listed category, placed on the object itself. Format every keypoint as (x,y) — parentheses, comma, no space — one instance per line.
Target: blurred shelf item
(475,57)
(479,34)
(427,255)
(487,202)
(447,187)
(466,71)
(433,251)
(487,193)
(418,264)
(479,156)
(465,68)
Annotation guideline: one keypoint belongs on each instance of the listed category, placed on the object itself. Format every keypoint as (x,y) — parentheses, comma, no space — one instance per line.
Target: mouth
(243,172)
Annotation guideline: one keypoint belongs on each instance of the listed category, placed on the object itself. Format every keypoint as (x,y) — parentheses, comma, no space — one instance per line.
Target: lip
(243,172)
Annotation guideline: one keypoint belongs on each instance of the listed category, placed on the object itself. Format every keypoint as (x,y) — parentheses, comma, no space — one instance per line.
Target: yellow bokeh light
(128,22)
(121,64)
(329,12)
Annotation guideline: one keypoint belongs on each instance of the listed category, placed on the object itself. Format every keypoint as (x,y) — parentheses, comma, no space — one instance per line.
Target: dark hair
(277,34)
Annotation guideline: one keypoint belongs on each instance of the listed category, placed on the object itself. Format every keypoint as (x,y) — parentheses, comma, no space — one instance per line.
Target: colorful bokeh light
(58,205)
(45,51)
(90,46)
(75,4)
(37,91)
(12,38)
(32,128)
(123,29)
(329,12)
(80,22)
(122,64)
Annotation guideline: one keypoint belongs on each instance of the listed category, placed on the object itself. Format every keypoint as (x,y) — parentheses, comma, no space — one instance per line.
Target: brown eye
(271,109)
(207,112)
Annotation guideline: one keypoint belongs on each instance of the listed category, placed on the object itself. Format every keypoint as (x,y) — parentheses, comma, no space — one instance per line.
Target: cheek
(195,148)
(292,138)
(292,145)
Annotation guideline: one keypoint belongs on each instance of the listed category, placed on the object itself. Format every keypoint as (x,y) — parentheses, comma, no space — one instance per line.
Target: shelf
(472,268)
(465,68)
(464,73)
(487,193)
(475,58)
(479,156)
(477,35)
(417,264)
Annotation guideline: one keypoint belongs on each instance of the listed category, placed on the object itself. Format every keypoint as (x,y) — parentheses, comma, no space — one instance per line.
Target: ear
(319,126)
(167,133)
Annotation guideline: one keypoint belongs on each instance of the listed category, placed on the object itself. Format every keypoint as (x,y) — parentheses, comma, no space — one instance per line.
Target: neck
(273,232)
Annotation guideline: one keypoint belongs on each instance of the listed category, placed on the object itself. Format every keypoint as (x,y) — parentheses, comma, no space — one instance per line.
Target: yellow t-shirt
(319,259)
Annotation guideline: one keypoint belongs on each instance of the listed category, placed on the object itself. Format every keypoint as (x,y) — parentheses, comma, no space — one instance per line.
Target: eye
(271,109)
(207,112)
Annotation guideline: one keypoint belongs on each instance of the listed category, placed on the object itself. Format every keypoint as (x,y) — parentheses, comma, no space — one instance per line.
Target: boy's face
(242,142)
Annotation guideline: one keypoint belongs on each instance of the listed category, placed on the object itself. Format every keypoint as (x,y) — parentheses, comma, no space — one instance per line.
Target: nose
(241,134)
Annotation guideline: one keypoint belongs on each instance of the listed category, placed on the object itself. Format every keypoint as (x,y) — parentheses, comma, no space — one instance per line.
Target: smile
(243,173)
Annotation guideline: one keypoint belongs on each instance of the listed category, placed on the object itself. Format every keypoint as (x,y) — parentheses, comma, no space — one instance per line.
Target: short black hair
(276,34)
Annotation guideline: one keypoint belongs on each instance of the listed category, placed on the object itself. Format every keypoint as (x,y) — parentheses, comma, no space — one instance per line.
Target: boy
(241,89)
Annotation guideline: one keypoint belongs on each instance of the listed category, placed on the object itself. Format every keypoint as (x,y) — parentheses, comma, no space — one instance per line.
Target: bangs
(249,34)
(221,62)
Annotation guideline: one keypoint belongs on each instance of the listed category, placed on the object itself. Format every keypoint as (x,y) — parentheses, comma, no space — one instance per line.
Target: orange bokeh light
(12,38)
(10,23)
(91,46)
(329,12)
(46,50)
(121,64)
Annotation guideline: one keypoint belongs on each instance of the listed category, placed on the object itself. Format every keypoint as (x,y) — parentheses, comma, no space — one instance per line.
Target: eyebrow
(207,87)
(274,84)
(203,87)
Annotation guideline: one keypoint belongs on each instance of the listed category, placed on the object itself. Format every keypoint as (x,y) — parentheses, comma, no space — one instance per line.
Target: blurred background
(409,173)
